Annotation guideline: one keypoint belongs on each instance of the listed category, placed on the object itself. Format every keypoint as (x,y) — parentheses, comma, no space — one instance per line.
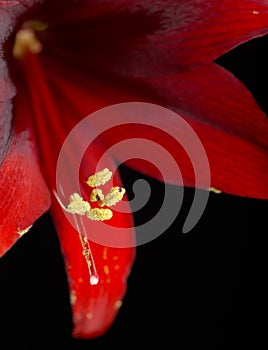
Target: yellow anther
(114,196)
(77,205)
(100,178)
(99,214)
(26,41)
(96,195)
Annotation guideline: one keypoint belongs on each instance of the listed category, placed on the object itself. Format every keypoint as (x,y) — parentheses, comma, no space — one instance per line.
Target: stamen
(26,40)
(99,214)
(114,196)
(77,205)
(86,251)
(100,178)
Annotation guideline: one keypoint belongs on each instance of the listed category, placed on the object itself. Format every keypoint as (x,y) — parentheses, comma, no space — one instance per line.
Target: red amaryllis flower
(67,59)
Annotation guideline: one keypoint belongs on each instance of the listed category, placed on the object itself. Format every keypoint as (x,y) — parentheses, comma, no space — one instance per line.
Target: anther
(100,178)
(77,205)
(99,214)
(26,40)
(114,196)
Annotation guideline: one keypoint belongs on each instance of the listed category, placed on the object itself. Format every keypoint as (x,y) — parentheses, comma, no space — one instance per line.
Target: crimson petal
(23,192)
(216,104)
(94,306)
(229,123)
(161,28)
(141,38)
(24,196)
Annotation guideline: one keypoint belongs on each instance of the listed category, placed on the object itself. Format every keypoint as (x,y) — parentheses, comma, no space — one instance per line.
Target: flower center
(78,205)
(26,39)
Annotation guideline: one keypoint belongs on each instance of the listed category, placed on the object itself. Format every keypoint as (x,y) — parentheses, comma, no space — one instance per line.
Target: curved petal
(214,96)
(23,192)
(229,123)
(145,38)
(94,305)
(216,105)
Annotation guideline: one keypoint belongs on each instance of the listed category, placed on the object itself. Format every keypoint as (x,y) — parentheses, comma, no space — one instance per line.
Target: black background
(205,288)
